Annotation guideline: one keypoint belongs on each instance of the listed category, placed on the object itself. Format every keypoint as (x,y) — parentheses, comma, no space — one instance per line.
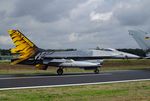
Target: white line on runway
(110,82)
(62,76)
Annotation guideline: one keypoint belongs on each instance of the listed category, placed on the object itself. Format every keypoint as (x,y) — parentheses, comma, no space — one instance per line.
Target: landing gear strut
(96,71)
(60,71)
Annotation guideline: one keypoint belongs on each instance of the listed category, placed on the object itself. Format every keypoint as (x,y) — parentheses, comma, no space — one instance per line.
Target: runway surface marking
(66,85)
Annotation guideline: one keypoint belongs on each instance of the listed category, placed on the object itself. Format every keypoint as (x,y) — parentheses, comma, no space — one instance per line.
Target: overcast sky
(81,24)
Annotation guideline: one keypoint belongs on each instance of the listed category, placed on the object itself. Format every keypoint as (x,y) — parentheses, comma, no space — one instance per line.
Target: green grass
(133,91)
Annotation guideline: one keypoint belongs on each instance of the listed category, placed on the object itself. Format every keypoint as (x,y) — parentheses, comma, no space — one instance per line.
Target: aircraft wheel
(96,71)
(60,71)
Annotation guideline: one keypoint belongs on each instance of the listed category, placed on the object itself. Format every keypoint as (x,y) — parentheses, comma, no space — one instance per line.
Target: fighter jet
(143,40)
(28,53)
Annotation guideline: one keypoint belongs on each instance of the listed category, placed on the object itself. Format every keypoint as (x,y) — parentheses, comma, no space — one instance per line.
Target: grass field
(131,91)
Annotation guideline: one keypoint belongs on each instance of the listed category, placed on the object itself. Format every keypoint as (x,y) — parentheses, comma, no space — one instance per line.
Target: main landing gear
(60,71)
(96,71)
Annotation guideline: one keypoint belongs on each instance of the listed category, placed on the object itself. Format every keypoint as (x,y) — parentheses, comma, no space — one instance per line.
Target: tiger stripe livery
(24,47)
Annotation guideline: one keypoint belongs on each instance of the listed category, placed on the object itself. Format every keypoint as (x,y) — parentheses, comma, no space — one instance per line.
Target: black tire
(96,71)
(60,71)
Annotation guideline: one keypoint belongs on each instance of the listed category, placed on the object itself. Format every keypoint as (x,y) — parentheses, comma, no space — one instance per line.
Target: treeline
(5,52)
(138,52)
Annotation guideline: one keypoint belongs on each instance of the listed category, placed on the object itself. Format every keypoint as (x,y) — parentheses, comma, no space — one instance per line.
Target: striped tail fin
(24,47)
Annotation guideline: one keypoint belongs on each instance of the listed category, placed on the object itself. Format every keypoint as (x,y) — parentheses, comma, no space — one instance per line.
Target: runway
(41,80)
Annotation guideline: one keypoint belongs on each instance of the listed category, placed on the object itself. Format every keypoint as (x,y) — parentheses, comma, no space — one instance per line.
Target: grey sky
(80,24)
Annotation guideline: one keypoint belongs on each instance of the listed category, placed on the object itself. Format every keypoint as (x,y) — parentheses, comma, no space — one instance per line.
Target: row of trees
(138,52)
(5,52)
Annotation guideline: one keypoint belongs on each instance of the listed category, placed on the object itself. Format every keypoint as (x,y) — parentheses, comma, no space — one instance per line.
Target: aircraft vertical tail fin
(24,47)
(142,38)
